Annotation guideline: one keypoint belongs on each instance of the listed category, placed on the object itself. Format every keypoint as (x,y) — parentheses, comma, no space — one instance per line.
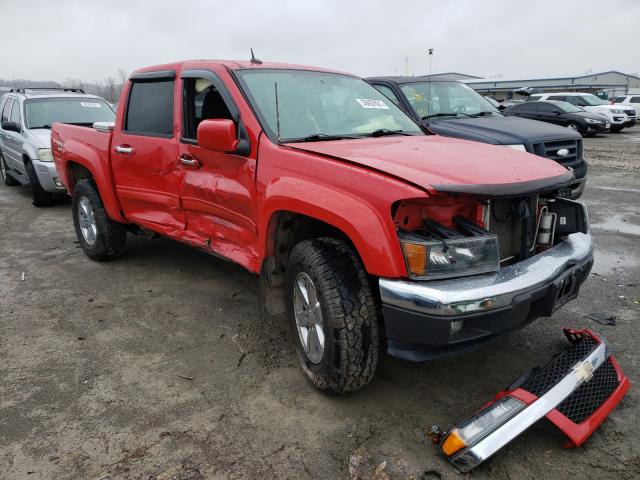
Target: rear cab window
(150,108)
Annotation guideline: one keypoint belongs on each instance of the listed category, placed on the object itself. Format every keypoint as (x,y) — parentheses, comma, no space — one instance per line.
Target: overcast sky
(58,39)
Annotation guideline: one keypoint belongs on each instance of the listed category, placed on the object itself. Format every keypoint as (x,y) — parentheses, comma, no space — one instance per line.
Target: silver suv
(25,134)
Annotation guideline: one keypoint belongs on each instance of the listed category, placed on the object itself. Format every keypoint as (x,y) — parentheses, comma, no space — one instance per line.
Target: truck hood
(41,136)
(436,163)
(503,130)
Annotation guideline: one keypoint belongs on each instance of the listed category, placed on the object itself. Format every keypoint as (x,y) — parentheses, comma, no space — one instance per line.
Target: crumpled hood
(438,163)
(504,130)
(42,136)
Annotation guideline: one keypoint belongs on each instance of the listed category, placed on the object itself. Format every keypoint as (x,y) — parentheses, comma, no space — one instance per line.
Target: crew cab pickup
(367,230)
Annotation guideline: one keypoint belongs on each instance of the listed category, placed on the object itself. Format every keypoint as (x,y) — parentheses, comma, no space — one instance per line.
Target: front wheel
(100,237)
(574,126)
(333,315)
(41,198)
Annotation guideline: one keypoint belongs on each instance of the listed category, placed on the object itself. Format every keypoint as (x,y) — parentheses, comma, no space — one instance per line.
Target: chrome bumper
(488,292)
(505,433)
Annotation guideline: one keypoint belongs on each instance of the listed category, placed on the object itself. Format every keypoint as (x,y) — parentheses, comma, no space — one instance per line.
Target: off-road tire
(111,236)
(41,198)
(8,179)
(349,311)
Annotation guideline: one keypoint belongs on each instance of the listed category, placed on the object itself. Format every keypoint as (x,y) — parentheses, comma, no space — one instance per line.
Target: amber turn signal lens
(452,444)
(416,256)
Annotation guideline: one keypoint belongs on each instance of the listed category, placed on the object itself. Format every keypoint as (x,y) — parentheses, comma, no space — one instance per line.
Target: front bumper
(48,176)
(426,320)
(576,391)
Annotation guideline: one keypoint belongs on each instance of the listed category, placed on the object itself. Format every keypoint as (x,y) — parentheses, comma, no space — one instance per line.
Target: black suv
(453,109)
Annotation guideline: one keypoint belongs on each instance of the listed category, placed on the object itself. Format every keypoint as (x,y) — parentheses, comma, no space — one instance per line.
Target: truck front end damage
(576,391)
(481,266)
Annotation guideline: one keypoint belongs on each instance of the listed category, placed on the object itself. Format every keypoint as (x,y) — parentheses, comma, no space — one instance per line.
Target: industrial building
(605,84)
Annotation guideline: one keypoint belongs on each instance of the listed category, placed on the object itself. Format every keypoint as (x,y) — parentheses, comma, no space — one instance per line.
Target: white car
(632,101)
(620,116)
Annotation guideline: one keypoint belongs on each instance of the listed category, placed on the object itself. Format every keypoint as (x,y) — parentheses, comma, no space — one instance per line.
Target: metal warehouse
(607,84)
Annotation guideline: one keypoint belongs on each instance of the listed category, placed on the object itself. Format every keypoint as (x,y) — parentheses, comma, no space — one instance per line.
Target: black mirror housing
(11,127)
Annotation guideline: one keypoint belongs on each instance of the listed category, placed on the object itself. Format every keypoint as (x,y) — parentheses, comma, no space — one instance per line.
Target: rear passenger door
(12,140)
(144,155)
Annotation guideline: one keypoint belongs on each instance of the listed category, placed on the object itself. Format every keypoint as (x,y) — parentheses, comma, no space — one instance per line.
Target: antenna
(429,84)
(254,59)
(277,113)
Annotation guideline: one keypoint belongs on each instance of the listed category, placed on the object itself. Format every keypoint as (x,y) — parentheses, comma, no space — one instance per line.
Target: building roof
(552,79)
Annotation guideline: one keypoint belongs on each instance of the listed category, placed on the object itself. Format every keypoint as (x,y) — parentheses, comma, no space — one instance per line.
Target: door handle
(189,161)
(125,150)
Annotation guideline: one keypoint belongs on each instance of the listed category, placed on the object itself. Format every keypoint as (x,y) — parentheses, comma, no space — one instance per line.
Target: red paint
(226,203)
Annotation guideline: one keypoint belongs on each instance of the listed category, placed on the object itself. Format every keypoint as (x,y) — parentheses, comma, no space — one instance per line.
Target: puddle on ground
(617,224)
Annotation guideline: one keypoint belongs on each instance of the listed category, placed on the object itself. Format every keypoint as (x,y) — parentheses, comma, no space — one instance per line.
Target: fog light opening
(456,326)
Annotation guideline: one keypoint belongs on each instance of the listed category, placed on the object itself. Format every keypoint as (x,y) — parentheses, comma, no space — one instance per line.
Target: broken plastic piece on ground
(576,390)
(602,318)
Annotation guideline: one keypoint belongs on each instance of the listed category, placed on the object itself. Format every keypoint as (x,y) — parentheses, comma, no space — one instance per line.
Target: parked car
(25,134)
(454,109)
(632,101)
(620,116)
(561,113)
(352,215)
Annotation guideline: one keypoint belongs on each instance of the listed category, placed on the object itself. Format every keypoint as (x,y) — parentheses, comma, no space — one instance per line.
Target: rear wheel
(41,198)
(8,179)
(100,237)
(333,315)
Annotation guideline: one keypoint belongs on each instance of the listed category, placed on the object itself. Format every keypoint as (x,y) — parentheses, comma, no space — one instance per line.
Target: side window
(150,108)
(547,107)
(635,99)
(387,92)
(619,99)
(201,101)
(533,107)
(6,109)
(533,98)
(562,98)
(15,112)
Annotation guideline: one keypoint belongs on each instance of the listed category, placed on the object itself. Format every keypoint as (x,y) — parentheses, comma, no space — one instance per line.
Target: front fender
(369,227)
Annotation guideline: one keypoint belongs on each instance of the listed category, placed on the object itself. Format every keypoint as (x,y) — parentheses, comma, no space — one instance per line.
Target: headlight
(470,431)
(44,154)
(593,120)
(518,146)
(427,259)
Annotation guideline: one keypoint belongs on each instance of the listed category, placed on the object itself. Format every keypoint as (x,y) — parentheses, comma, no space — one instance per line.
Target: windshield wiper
(426,117)
(385,131)
(482,114)
(317,137)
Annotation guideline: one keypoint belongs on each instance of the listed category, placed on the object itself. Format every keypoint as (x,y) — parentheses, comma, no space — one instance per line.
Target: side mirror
(11,127)
(218,135)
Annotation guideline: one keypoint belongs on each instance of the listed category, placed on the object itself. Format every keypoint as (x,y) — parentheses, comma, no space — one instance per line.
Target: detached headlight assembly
(469,432)
(518,147)
(44,155)
(427,259)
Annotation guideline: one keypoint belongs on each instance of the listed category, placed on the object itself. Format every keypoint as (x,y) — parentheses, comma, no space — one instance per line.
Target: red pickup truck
(368,230)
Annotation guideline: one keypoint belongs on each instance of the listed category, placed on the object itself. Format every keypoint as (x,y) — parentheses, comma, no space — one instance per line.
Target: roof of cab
(233,65)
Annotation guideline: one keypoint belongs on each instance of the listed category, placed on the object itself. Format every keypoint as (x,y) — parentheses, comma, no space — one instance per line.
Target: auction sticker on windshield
(371,103)
(92,105)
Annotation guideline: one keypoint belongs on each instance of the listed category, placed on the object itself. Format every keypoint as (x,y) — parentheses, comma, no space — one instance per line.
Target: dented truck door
(218,188)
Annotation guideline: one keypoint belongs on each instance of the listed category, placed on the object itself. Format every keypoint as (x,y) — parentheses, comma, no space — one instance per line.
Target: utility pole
(430,55)
(406,66)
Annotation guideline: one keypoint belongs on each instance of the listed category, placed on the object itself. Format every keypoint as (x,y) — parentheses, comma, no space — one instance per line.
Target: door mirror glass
(11,127)
(218,135)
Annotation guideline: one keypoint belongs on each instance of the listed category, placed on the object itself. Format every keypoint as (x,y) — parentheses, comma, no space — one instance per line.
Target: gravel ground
(616,150)
(157,365)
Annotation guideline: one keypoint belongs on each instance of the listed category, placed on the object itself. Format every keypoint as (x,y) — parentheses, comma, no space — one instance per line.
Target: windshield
(312,105)
(430,99)
(568,108)
(586,100)
(44,112)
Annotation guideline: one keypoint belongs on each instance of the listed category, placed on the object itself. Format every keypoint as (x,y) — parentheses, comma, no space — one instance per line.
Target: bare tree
(73,83)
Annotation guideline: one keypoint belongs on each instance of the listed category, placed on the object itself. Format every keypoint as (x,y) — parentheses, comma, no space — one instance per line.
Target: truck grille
(573,159)
(631,113)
